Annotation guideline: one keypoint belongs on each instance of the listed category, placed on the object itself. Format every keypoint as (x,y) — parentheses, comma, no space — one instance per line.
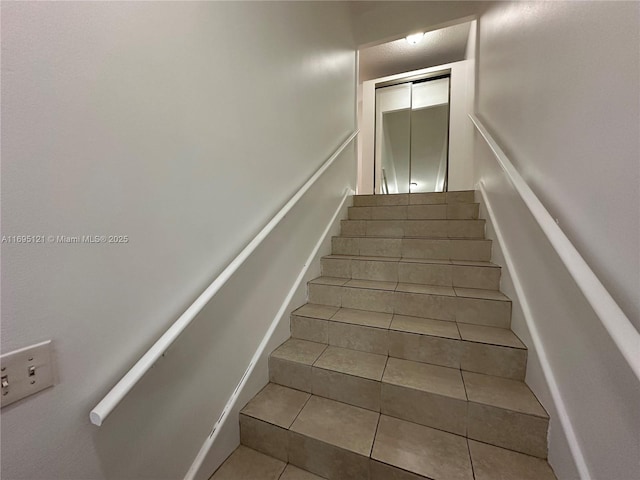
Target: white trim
(563,415)
(126,383)
(208,443)
(619,327)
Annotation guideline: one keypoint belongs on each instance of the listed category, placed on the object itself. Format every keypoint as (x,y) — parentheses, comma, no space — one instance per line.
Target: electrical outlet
(25,372)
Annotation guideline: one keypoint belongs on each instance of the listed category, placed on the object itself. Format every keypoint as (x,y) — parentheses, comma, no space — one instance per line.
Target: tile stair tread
(247,464)
(413,197)
(277,405)
(299,351)
(406,445)
(502,337)
(345,426)
(468,263)
(386,237)
(415,205)
(419,288)
(382,237)
(506,394)
(352,362)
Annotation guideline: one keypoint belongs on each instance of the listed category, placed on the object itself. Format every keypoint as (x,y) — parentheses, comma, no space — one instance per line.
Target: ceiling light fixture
(415,38)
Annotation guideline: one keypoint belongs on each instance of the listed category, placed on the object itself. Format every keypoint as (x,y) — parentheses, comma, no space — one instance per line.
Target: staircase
(402,365)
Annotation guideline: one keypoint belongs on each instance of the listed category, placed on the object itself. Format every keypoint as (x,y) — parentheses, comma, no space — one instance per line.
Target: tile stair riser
(516,431)
(433,249)
(476,357)
(473,229)
(466,276)
(478,311)
(429,198)
(462,211)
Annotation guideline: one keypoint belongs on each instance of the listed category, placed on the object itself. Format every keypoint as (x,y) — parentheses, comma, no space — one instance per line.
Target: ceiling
(436,48)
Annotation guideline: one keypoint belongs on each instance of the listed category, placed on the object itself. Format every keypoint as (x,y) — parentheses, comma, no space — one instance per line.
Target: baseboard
(225,436)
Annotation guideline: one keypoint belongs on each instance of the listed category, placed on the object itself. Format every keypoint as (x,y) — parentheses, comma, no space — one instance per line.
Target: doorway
(412,136)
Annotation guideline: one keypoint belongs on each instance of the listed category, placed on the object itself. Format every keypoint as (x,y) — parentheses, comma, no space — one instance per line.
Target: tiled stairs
(402,365)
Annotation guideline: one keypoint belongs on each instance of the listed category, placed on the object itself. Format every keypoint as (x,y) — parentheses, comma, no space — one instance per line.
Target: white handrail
(617,324)
(126,383)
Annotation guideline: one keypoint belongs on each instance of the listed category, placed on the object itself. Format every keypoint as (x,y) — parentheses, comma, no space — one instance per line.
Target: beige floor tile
(481,293)
(374,270)
(389,213)
(425,326)
(475,263)
(325,294)
(336,267)
(469,276)
(427,212)
(311,329)
(426,228)
(425,408)
(494,463)
(476,250)
(380,247)
(385,228)
(494,360)
(426,289)
(345,426)
(377,258)
(363,317)
(460,196)
(438,307)
(295,473)
(367,299)
(424,273)
(290,374)
(329,281)
(364,200)
(245,463)
(427,378)
(341,257)
(508,429)
(277,405)
(325,459)
(430,198)
(345,245)
(380,200)
(465,228)
(352,362)
(463,211)
(353,228)
(316,311)
(426,261)
(359,213)
(371,284)
(436,249)
(503,393)
(358,337)
(478,311)
(422,450)
(424,348)
(264,437)
(358,391)
(382,471)
(300,351)
(490,335)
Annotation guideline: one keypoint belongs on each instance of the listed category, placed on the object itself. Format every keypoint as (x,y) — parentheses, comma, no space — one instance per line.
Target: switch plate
(25,372)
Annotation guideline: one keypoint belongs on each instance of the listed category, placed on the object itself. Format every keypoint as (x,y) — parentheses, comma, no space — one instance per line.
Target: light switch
(25,372)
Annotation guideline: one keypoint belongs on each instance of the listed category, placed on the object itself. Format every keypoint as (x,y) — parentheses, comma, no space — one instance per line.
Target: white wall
(558,87)
(556,84)
(184,126)
(461,132)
